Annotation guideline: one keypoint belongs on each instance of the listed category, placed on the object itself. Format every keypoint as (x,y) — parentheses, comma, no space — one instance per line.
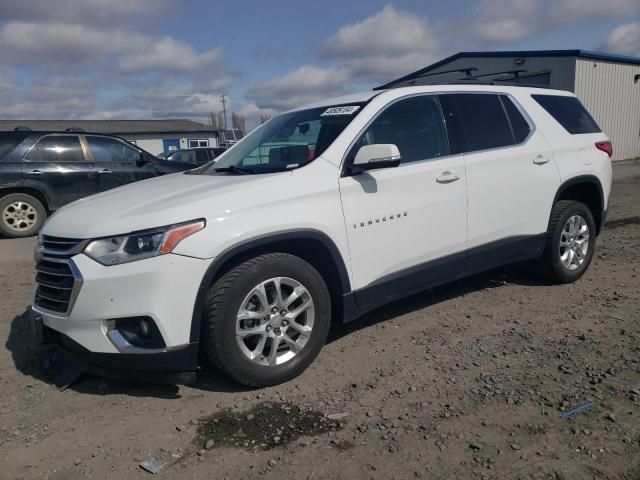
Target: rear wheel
(570,242)
(21,215)
(267,319)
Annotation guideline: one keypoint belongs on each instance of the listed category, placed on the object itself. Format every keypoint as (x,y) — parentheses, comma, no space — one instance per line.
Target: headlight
(140,245)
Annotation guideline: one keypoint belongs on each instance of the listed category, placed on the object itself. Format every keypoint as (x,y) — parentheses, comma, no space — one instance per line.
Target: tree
(238,121)
(217,120)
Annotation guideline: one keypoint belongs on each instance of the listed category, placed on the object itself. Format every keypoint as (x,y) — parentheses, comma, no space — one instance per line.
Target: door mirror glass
(377,155)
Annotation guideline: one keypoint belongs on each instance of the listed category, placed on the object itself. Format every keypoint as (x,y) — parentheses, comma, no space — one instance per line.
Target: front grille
(57,278)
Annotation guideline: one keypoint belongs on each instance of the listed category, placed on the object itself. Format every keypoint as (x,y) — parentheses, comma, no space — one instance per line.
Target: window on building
(195,143)
(57,149)
(519,125)
(568,112)
(480,121)
(414,125)
(105,149)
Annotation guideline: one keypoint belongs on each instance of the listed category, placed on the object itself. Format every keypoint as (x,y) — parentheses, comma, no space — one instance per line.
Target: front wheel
(571,241)
(267,319)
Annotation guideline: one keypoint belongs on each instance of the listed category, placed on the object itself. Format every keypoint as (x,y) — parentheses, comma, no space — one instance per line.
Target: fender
(238,249)
(28,184)
(592,179)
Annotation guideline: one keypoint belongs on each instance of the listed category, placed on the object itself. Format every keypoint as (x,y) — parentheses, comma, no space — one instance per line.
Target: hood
(160,201)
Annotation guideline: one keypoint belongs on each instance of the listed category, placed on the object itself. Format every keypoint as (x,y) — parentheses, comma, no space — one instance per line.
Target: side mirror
(143,160)
(378,155)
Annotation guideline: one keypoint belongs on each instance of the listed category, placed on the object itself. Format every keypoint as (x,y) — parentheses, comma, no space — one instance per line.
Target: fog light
(135,333)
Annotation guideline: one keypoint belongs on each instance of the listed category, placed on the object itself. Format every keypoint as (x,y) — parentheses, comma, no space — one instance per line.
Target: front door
(57,163)
(406,226)
(117,162)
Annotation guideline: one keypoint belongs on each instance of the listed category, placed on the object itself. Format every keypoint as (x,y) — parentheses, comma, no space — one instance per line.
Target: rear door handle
(34,172)
(105,170)
(447,177)
(540,160)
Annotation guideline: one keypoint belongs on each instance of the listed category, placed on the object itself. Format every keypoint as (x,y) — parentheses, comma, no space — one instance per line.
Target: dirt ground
(470,380)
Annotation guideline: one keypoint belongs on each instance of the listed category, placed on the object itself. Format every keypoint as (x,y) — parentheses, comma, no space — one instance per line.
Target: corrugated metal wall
(608,90)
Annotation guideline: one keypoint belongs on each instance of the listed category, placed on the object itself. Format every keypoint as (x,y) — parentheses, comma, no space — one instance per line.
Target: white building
(608,85)
(154,136)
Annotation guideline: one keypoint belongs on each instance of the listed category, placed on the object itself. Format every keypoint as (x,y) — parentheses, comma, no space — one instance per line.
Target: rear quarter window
(9,141)
(568,112)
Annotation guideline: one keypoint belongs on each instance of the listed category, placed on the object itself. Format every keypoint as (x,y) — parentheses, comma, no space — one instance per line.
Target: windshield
(285,142)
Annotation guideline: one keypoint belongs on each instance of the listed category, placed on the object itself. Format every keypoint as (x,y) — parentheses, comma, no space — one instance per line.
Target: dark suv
(195,156)
(42,171)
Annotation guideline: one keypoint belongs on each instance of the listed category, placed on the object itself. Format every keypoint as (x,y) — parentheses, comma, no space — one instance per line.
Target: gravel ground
(469,380)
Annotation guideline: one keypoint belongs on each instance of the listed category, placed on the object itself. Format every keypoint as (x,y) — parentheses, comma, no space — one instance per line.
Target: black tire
(224,299)
(552,266)
(36,211)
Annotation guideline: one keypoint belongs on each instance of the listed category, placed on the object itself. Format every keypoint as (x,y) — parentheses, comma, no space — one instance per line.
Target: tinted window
(481,120)
(106,149)
(9,141)
(519,125)
(203,156)
(569,113)
(414,125)
(187,156)
(57,148)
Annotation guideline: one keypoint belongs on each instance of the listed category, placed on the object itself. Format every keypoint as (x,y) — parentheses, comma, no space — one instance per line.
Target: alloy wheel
(275,321)
(574,242)
(20,216)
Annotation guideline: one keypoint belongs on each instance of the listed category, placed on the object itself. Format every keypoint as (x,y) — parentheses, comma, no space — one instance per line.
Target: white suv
(324,212)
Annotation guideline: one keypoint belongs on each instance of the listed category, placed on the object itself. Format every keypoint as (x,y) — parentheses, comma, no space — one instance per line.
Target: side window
(202,156)
(57,149)
(519,125)
(414,125)
(107,149)
(568,112)
(481,120)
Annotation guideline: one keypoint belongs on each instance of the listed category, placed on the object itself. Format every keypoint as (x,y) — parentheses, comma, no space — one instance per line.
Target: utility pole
(223,99)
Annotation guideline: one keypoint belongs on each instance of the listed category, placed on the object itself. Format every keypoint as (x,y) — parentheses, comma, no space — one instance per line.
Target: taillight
(606,147)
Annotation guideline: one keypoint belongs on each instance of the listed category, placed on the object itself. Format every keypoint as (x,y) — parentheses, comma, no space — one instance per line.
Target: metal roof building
(608,85)
(155,136)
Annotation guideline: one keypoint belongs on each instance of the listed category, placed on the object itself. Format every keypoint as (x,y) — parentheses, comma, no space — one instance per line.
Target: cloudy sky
(171,58)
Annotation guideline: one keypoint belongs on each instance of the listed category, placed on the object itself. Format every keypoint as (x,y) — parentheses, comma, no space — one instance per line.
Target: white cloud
(500,21)
(57,44)
(169,54)
(388,32)
(381,47)
(624,39)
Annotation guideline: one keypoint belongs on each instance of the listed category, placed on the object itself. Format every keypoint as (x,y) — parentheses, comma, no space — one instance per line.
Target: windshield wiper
(235,169)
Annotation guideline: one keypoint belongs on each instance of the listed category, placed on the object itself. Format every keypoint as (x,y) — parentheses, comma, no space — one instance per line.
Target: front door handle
(104,170)
(541,160)
(35,172)
(447,177)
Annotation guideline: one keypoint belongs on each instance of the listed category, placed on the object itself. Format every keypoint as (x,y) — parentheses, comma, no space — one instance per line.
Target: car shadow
(41,362)
(518,274)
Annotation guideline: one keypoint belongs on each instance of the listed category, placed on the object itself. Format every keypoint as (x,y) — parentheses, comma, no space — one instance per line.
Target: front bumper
(162,288)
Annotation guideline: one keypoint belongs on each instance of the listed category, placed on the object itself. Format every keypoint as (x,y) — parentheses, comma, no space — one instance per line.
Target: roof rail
(515,73)
(22,128)
(74,129)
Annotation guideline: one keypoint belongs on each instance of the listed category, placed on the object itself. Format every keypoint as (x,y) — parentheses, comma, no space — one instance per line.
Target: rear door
(11,157)
(511,176)
(59,165)
(117,162)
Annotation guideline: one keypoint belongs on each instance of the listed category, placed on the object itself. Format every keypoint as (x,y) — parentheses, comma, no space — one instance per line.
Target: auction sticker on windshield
(343,110)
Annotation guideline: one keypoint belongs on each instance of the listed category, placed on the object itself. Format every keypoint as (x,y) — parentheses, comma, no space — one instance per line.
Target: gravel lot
(469,380)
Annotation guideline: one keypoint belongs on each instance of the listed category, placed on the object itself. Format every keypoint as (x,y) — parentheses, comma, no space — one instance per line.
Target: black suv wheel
(266,319)
(21,215)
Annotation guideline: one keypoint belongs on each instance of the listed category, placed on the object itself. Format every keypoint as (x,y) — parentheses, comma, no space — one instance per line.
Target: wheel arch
(312,246)
(35,192)
(588,190)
